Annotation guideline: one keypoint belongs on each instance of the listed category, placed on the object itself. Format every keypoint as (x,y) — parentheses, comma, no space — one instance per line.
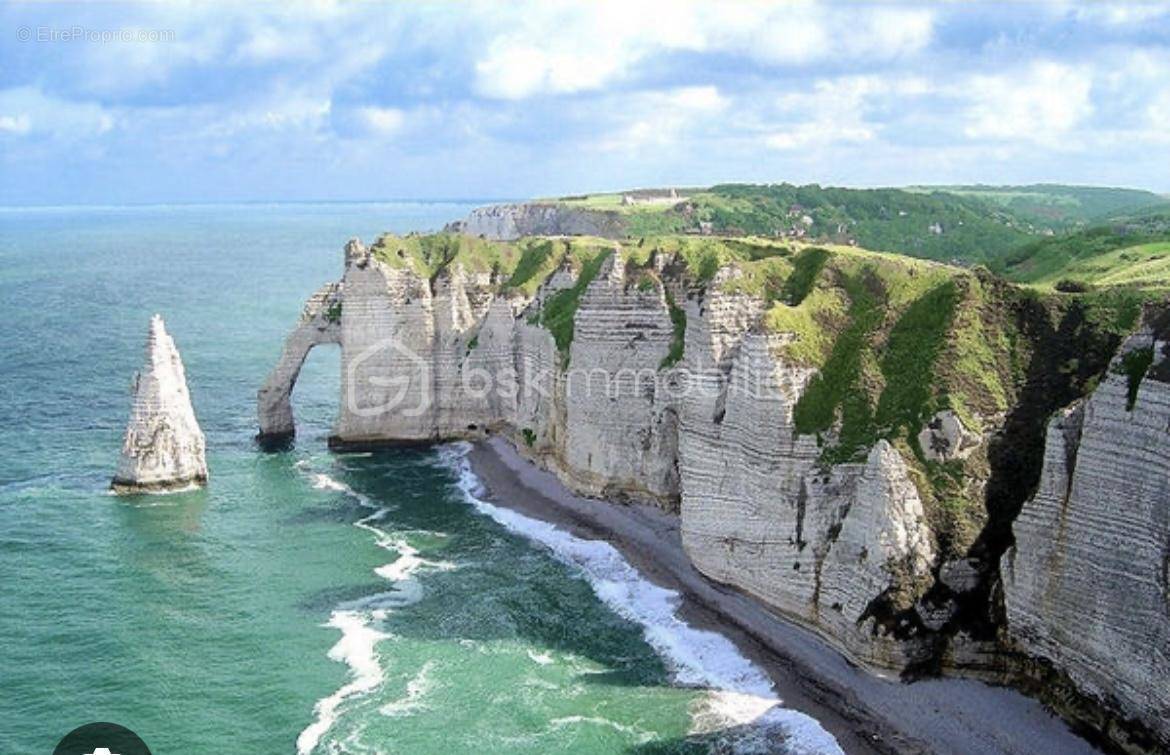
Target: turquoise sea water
(305,601)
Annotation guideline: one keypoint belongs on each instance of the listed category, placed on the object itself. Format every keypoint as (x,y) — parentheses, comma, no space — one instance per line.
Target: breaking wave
(739,693)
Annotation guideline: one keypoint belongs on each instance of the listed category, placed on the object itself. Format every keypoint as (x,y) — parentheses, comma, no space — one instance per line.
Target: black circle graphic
(102,738)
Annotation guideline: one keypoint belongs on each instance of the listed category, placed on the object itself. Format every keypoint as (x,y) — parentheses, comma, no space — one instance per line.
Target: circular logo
(102,738)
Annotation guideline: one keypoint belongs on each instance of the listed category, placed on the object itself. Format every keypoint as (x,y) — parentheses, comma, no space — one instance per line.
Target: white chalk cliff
(512,221)
(1087,584)
(844,549)
(163,448)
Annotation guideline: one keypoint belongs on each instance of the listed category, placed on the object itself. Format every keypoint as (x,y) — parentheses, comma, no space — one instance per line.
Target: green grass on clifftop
(908,363)
(428,254)
(560,309)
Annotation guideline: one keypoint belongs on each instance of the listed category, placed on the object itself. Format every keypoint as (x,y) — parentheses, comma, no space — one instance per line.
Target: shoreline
(865,712)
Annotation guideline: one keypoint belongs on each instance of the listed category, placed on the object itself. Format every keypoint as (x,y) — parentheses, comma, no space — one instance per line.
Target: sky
(204,101)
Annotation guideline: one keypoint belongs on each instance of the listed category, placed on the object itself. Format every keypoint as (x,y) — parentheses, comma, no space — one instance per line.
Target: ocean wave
(356,619)
(740,694)
(356,649)
(325,482)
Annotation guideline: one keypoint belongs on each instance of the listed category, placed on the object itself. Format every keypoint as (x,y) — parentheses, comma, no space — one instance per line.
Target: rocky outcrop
(506,222)
(163,449)
(945,438)
(1086,585)
(320,323)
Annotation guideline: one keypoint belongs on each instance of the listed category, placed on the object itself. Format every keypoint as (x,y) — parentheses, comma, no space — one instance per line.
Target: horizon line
(548,197)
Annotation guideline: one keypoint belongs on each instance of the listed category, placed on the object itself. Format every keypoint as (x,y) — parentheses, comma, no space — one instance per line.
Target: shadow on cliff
(1067,353)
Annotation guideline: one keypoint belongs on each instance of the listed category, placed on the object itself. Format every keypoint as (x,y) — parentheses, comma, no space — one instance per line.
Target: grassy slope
(1142,265)
(967,224)
(426,255)
(1125,252)
(886,219)
(1056,206)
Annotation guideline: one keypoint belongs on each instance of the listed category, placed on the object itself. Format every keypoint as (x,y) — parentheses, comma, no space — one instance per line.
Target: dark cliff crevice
(1068,353)
(1064,352)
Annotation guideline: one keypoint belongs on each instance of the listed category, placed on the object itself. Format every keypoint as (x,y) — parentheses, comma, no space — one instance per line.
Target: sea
(306,601)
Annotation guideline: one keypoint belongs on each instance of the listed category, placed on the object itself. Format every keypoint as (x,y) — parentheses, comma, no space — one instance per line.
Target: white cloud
(701,98)
(513,70)
(270,44)
(1122,14)
(815,134)
(661,118)
(280,111)
(383,121)
(29,111)
(564,47)
(834,111)
(1041,104)
(15,124)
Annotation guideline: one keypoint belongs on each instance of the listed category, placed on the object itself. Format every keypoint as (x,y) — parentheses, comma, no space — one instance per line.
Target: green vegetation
(1116,310)
(651,222)
(333,314)
(428,254)
(909,360)
(1134,366)
(1142,266)
(678,318)
(558,312)
(934,226)
(806,266)
(529,436)
(1055,206)
(811,325)
(965,224)
(836,385)
(537,261)
(1125,252)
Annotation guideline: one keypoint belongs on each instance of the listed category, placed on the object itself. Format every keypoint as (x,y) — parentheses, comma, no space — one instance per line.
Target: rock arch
(320,323)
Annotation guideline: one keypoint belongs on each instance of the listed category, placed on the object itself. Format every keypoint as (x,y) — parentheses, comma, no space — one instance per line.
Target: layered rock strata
(163,449)
(1087,584)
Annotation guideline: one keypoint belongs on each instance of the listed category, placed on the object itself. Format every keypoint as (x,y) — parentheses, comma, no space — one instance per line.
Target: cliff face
(712,385)
(1086,585)
(163,448)
(506,222)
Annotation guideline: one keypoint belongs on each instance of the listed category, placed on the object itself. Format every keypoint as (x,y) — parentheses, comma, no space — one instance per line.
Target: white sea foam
(356,618)
(325,482)
(740,693)
(542,659)
(356,648)
(416,691)
(641,735)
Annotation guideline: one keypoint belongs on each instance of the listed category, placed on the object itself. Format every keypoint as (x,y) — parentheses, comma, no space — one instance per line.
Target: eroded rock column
(164,448)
